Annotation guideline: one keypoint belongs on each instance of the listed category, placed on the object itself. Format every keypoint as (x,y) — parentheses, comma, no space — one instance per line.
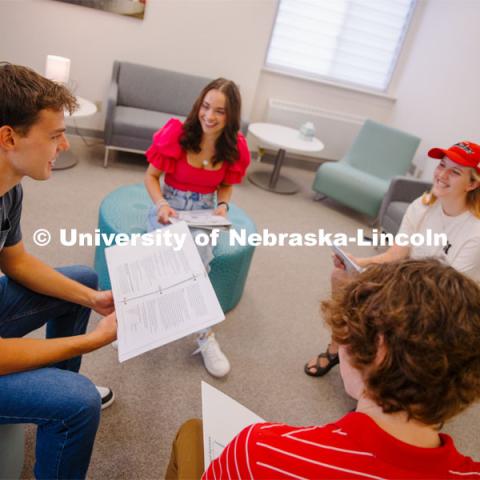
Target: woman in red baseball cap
(452,207)
(459,191)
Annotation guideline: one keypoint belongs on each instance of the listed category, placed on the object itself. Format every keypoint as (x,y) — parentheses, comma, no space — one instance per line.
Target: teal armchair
(361,179)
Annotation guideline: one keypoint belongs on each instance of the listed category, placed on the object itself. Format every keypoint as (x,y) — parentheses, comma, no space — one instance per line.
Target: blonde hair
(473,196)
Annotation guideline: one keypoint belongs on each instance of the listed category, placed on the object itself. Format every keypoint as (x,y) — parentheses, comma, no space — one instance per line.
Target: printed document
(161,293)
(223,419)
(201,219)
(350,265)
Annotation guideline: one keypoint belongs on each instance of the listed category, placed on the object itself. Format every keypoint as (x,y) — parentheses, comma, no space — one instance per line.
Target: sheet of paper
(161,293)
(199,218)
(223,419)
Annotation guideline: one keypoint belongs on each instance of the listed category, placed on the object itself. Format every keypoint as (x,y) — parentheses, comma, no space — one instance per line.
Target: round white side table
(85,109)
(283,139)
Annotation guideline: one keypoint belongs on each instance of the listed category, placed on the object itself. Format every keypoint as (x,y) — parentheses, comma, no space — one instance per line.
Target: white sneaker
(107,396)
(114,344)
(214,359)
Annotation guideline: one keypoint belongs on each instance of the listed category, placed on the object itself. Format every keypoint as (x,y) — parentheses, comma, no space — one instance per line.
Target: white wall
(436,83)
(439,91)
(204,37)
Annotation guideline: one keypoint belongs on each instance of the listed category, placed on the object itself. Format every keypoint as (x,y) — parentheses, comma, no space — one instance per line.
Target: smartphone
(350,265)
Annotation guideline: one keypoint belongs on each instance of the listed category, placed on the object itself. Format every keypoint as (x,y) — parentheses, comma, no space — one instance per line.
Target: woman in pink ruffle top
(201,160)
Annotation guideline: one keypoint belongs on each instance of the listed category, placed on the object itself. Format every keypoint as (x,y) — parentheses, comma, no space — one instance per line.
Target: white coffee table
(85,109)
(284,139)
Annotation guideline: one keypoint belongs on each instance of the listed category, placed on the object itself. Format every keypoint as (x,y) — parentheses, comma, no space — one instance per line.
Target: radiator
(336,130)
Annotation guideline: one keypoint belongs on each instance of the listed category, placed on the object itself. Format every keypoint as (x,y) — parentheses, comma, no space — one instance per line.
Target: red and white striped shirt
(353,447)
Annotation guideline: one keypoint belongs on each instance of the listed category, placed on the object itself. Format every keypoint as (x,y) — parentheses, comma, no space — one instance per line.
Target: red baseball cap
(465,153)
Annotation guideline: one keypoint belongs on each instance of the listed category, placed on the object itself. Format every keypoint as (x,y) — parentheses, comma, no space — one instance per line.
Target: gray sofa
(401,192)
(141,100)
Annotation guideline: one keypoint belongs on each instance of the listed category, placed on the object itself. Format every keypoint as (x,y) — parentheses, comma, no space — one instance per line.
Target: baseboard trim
(296,161)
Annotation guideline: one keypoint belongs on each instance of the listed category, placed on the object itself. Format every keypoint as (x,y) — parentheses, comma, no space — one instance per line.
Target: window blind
(349,41)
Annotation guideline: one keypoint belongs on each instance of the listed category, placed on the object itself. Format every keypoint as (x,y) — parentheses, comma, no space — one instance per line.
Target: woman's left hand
(221,210)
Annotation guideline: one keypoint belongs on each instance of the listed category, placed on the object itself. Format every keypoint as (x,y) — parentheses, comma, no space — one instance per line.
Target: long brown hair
(24,93)
(226,144)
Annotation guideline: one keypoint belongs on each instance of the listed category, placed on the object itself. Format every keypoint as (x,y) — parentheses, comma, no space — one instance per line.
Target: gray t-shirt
(10,212)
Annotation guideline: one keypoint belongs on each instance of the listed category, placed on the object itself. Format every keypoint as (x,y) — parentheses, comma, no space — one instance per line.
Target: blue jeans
(64,404)
(180,200)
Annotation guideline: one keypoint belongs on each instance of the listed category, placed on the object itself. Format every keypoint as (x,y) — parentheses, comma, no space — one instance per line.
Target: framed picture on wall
(130,8)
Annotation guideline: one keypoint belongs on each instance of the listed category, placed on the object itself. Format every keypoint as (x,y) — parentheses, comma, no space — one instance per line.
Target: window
(354,42)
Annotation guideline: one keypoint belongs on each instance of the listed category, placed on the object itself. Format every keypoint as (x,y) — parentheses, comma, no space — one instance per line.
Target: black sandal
(319,370)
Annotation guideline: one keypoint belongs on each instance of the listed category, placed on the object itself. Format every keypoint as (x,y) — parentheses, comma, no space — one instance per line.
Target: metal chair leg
(105,159)
(319,197)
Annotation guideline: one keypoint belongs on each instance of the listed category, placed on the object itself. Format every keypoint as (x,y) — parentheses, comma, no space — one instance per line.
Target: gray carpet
(268,337)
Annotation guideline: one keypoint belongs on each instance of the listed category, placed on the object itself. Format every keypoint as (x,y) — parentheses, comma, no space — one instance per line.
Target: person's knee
(86,394)
(84,275)
(86,409)
(87,276)
(190,429)
(194,425)
(60,394)
(187,453)
(89,397)
(78,397)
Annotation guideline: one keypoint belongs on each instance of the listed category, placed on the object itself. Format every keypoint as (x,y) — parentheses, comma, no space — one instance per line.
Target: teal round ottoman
(125,211)
(11,450)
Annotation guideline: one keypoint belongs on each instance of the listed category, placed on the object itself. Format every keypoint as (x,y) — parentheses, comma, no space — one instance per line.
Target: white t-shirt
(462,251)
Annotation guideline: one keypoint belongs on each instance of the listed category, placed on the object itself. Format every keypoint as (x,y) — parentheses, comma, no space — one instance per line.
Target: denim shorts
(181,200)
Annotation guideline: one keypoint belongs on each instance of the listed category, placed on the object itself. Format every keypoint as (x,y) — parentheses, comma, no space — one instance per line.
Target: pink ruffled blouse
(166,154)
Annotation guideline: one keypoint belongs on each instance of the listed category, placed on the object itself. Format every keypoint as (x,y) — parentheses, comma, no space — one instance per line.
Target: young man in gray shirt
(39,379)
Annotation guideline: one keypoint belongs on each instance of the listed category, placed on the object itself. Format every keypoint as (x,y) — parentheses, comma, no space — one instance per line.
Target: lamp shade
(57,68)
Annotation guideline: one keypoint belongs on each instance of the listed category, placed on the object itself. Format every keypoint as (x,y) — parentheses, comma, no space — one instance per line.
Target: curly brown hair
(24,93)
(226,145)
(426,316)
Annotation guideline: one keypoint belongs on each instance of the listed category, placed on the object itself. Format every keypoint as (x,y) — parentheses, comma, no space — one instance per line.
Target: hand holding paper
(350,265)
(161,293)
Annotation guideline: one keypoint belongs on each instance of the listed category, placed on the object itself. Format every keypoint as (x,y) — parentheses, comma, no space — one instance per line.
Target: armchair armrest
(112,100)
(406,189)
(403,189)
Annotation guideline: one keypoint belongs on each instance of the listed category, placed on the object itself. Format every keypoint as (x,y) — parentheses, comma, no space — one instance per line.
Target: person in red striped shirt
(409,336)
